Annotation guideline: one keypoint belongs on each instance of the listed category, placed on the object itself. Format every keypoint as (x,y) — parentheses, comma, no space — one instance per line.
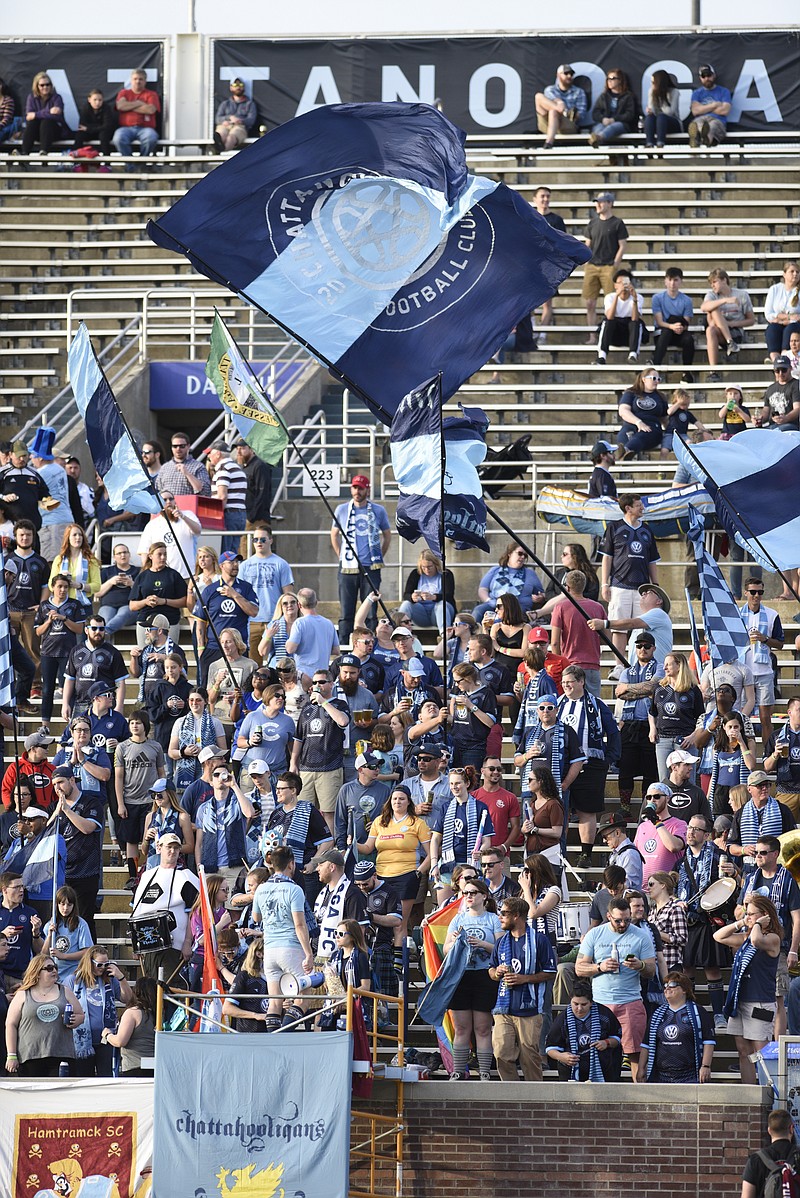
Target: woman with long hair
(509,630)
(541,890)
(616,109)
(273,643)
(158,588)
(662,115)
(573,557)
(66,941)
(218,892)
(676,704)
(782,311)
(399,837)
(756,940)
(511,576)
(234,660)
(453,646)
(9,122)
(36,1046)
(44,115)
(194,732)
(98,984)
(166,815)
(136,1034)
(642,411)
(733,757)
(206,574)
(244,1004)
(543,825)
(168,701)
(679,1044)
(422,595)
(76,561)
(58,623)
(476,993)
(668,915)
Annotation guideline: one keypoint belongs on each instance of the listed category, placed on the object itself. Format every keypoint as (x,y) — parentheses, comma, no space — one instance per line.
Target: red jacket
(43,781)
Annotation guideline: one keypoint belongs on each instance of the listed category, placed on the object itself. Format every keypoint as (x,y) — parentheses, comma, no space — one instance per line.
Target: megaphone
(293,984)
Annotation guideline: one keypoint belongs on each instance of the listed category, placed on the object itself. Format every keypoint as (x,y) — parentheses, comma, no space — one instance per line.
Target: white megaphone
(292,984)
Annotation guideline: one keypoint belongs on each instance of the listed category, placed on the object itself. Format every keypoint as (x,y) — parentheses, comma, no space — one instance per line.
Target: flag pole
(14,710)
(54,908)
(546,570)
(724,500)
(443,540)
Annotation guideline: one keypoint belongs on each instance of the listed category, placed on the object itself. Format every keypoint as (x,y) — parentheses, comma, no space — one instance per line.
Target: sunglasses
(259,540)
(755,592)
(281,670)
(780,369)
(570,73)
(613,78)
(220,774)
(180,444)
(546,707)
(341,935)
(147,453)
(490,865)
(470,893)
(424,757)
(49,969)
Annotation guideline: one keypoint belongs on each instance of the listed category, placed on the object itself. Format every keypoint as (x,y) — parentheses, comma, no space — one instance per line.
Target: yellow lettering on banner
(230,400)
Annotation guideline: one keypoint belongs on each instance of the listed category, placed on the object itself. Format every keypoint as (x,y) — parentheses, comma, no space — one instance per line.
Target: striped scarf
(148,651)
(775,889)
(762,623)
(347,561)
(732,762)
(595,1070)
(589,728)
(556,753)
(296,833)
(533,995)
(163,822)
(741,963)
(638,673)
(658,1018)
(537,687)
(448,829)
(771,823)
(187,769)
(702,867)
(82,1036)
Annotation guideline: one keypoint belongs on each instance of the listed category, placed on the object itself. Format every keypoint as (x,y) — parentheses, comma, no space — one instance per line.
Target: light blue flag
(435,999)
(46,863)
(252,1114)
(726,633)
(753,481)
(6,668)
(129,487)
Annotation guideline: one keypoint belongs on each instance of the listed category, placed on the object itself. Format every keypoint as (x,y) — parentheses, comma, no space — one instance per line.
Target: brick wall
(473,1140)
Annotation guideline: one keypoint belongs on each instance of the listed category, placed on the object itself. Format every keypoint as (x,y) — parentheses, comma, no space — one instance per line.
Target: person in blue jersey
(366,540)
(679,1044)
(751,1004)
(230,603)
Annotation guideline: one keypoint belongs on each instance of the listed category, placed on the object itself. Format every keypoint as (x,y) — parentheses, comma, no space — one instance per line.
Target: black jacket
(627,109)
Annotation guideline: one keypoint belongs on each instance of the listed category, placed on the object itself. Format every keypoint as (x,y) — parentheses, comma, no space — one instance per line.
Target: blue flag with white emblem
(752,480)
(416,444)
(726,634)
(129,488)
(359,228)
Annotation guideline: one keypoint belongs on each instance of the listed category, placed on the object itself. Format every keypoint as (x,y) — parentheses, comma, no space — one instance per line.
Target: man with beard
(384,914)
(95,661)
(349,688)
(231,603)
(372,671)
(359,802)
(407,692)
(549,743)
(297,823)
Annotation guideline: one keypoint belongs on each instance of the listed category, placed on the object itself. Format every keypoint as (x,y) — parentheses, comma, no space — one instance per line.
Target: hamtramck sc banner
(77,67)
(250,1116)
(489,84)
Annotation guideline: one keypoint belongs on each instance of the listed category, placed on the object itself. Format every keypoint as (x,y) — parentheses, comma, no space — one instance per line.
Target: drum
(718,894)
(151,933)
(573,922)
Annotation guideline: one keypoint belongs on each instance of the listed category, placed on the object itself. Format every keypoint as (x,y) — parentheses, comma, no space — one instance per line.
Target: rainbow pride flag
(434,934)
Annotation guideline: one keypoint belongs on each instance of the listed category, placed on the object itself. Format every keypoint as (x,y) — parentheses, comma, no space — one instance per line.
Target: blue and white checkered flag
(6,669)
(726,634)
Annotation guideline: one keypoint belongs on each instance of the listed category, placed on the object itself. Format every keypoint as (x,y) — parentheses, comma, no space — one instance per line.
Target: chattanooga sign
(487,84)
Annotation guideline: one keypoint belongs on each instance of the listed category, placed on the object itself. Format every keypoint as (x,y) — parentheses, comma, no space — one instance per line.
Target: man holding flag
(765,633)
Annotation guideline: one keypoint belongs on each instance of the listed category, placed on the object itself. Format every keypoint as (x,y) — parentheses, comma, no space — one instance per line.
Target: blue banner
(252,1116)
(184,385)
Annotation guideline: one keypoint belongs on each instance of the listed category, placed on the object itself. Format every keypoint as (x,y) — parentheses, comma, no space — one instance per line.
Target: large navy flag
(726,634)
(6,668)
(359,228)
(753,481)
(115,460)
(253,1115)
(416,445)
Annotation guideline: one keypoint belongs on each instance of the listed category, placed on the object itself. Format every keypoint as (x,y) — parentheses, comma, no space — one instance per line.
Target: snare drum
(151,933)
(718,894)
(573,922)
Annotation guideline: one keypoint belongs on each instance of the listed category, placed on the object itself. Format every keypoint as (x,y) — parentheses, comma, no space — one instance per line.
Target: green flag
(239,391)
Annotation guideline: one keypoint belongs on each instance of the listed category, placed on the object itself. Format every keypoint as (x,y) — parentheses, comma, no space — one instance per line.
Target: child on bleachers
(679,420)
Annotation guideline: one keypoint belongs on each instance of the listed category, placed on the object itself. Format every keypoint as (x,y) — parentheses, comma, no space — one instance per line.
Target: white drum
(573,922)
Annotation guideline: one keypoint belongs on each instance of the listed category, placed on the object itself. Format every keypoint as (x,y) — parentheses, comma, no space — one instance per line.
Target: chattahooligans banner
(487,84)
(76,1139)
(251,1116)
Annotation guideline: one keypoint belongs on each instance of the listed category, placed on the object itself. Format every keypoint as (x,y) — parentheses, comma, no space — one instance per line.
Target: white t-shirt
(659,623)
(159,890)
(186,530)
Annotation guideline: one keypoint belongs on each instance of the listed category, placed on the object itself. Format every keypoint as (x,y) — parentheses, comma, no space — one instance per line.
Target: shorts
(131,829)
(321,787)
(782,979)
(587,793)
(405,886)
(566,125)
(743,1024)
(282,958)
(624,604)
(790,799)
(475,992)
(597,280)
(632,1018)
(764,685)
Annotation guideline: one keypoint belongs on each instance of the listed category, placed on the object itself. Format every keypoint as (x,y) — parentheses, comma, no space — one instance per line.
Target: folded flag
(129,487)
(240,392)
(44,860)
(359,229)
(435,998)
(416,447)
(752,480)
(726,634)
(6,668)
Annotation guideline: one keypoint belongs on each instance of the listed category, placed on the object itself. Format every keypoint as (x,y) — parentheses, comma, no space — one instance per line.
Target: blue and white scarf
(264,805)
(658,1018)
(703,867)
(187,769)
(227,815)
(163,822)
(589,728)
(82,1036)
(295,836)
(448,856)
(556,754)
(595,1069)
(762,623)
(533,994)
(635,674)
(347,561)
(771,823)
(537,687)
(775,889)
(148,652)
(741,963)
(731,761)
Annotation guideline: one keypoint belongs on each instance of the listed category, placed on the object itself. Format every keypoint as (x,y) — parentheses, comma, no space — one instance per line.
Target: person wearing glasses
(501,887)
(511,576)
(94,662)
(616,110)
(773,880)
(36,1042)
(476,993)
(560,107)
(349,964)
(523,962)
(172,528)
(270,576)
(98,984)
(20,925)
(267,734)
(461,829)
(114,592)
(710,106)
(680,1041)
(545,742)
(761,815)
(184,474)
(221,825)
(44,115)
(781,400)
(765,631)
(153,458)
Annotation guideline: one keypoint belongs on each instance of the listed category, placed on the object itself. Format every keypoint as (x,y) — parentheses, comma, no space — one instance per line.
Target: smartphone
(762,1013)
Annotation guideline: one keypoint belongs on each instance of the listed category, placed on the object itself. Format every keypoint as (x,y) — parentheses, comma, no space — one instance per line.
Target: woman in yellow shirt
(395,837)
(78,563)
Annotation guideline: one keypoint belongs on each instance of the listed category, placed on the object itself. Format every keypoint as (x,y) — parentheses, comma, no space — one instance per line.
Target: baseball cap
(350,659)
(363,871)
(258,766)
(723,823)
(402,631)
(538,636)
(604,195)
(662,594)
(430,747)
(565,69)
(34,813)
(681,757)
(706,69)
(62,771)
(369,760)
(781,360)
(414,667)
(660,788)
(159,621)
(211,751)
(601,447)
(756,777)
(331,855)
(159,786)
(220,445)
(359,480)
(230,557)
(98,689)
(39,740)
(168,838)
(645,638)
(237,82)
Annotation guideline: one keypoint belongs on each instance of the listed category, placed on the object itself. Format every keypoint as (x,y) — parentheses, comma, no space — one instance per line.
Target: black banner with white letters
(488,84)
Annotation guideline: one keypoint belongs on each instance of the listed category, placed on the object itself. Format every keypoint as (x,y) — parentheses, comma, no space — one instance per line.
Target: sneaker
(219,145)
(485,1076)
(714,377)
(732,348)
(768,360)
(615,674)
(584,861)
(548,145)
(457,1077)
(687,377)
(594,139)
(600,360)
(36,693)
(648,145)
(131,884)
(633,356)
(694,135)
(720,1023)
(705,134)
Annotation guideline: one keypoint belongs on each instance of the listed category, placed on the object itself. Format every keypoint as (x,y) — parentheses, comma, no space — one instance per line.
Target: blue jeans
(658,125)
(635,441)
(353,587)
(235,520)
(777,337)
(116,617)
(427,614)
(664,746)
(126,135)
(609,132)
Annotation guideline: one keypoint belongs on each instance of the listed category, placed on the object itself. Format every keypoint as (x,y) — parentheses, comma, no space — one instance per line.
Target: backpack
(783,1179)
